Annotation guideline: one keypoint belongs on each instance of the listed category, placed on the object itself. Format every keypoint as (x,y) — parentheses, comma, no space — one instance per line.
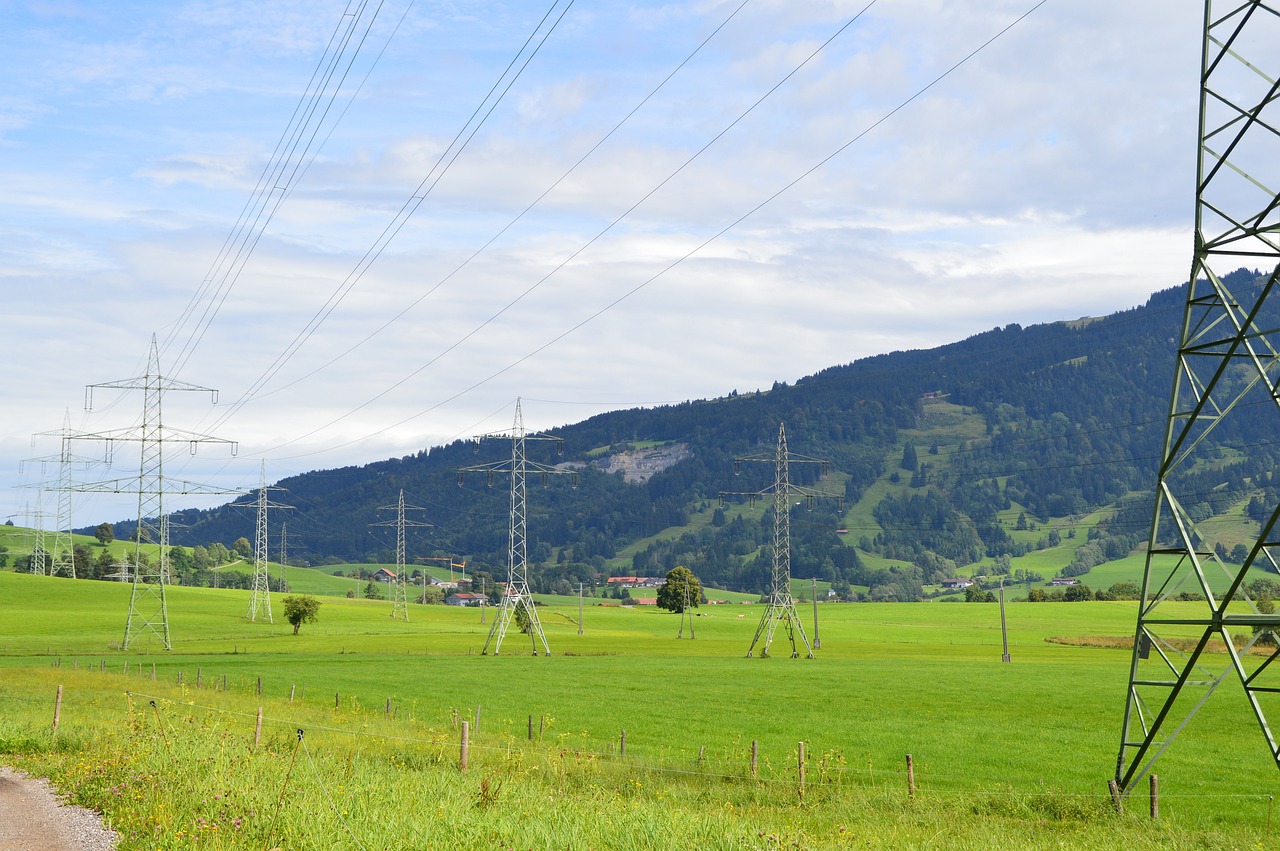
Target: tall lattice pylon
(260,597)
(39,555)
(284,556)
(517,597)
(399,592)
(1228,361)
(148,606)
(781,606)
(60,559)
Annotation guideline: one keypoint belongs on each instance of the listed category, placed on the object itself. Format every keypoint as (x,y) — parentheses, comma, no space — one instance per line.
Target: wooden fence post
(57,709)
(1155,797)
(153,671)
(199,676)
(622,743)
(801,765)
(701,751)
(335,700)
(259,686)
(464,755)
(292,688)
(1115,795)
(477,719)
(531,728)
(911,777)
(755,758)
(257,732)
(387,711)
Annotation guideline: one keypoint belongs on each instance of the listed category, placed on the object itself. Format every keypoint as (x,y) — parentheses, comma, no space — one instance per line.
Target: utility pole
(781,607)
(517,597)
(399,599)
(1004,626)
(260,599)
(579,608)
(1227,355)
(148,607)
(817,642)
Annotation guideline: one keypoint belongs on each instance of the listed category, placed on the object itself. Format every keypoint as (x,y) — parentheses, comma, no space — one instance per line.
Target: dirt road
(32,819)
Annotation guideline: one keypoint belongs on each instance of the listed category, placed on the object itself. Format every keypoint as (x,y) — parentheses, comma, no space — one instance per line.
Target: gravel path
(33,819)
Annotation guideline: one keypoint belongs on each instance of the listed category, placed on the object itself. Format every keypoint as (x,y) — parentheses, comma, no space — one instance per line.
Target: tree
(105,533)
(974,594)
(681,588)
(372,591)
(300,609)
(242,547)
(431,596)
(909,461)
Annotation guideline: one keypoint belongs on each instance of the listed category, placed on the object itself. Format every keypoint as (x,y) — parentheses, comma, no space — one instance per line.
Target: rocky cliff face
(639,465)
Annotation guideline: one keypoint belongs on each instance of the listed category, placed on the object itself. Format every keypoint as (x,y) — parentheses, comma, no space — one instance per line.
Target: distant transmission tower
(148,607)
(60,560)
(260,598)
(39,555)
(517,596)
(1227,365)
(781,607)
(284,556)
(399,594)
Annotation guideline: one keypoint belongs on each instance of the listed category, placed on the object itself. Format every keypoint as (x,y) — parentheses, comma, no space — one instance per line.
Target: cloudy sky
(372,228)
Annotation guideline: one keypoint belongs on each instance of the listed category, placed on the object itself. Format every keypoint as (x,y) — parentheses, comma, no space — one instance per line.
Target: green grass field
(1006,755)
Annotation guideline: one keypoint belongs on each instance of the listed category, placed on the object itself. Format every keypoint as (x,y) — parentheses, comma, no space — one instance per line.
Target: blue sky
(1048,177)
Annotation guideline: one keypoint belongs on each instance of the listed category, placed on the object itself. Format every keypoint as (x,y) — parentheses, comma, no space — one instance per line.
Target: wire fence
(737,762)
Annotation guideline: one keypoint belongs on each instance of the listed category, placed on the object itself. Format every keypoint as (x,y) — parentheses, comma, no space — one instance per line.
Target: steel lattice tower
(39,555)
(1228,360)
(60,561)
(517,596)
(63,563)
(781,607)
(284,556)
(399,593)
(260,598)
(148,606)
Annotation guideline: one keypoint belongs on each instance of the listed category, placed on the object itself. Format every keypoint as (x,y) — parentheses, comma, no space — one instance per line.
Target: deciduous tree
(300,609)
(682,588)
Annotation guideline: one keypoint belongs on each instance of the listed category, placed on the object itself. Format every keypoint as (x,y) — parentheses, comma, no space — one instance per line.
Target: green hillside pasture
(307,580)
(1130,569)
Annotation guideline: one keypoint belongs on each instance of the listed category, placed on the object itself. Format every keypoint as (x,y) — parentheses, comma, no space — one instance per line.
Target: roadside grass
(180,769)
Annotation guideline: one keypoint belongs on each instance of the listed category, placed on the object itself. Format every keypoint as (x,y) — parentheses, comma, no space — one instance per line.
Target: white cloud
(1047,178)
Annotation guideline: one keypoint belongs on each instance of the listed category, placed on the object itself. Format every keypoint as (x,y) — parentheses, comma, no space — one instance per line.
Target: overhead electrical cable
(532,204)
(455,344)
(673,264)
(446,159)
(276,180)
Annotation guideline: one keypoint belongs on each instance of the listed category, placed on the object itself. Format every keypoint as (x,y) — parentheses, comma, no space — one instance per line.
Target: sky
(655,202)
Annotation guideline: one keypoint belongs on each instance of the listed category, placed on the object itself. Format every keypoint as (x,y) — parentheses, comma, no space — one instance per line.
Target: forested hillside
(976,452)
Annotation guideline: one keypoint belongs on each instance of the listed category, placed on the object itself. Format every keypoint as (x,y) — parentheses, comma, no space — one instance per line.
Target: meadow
(1004,755)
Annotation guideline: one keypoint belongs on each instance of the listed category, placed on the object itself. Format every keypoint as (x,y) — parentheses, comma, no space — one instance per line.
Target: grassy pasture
(1006,755)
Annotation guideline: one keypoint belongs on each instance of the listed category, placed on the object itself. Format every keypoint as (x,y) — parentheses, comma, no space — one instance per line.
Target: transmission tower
(39,555)
(260,598)
(148,608)
(284,556)
(1228,360)
(60,560)
(781,607)
(399,596)
(517,597)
